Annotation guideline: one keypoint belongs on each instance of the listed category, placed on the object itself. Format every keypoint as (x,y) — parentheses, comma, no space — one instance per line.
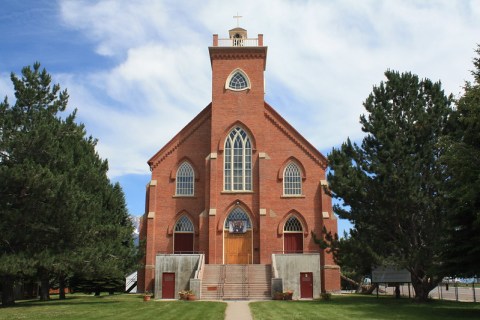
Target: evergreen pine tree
(389,185)
(462,188)
(58,210)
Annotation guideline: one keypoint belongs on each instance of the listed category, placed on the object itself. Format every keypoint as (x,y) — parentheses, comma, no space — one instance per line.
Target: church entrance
(237,238)
(183,236)
(293,236)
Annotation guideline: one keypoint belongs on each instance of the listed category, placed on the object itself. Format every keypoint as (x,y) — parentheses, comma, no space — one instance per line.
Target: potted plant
(278,295)
(287,294)
(183,294)
(190,295)
(147,296)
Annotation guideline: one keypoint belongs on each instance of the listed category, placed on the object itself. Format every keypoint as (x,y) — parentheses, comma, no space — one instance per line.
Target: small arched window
(184,224)
(292,225)
(238,161)
(237,81)
(185,180)
(292,180)
(238,214)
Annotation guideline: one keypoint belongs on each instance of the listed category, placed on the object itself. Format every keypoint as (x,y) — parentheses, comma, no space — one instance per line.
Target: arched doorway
(183,235)
(293,236)
(237,238)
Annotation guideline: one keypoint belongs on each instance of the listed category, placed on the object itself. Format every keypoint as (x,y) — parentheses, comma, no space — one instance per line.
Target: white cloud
(323,59)
(6,88)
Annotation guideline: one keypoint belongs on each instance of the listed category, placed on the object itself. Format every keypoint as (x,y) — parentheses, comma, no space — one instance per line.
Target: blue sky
(138,71)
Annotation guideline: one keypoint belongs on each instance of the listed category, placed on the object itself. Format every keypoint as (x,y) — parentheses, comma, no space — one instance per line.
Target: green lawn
(356,307)
(343,307)
(84,307)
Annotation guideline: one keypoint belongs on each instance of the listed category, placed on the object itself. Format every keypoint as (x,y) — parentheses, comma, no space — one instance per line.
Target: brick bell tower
(230,57)
(238,65)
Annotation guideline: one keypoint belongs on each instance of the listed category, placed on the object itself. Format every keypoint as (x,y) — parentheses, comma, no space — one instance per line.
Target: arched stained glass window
(292,180)
(238,161)
(238,81)
(185,180)
(293,225)
(238,214)
(184,224)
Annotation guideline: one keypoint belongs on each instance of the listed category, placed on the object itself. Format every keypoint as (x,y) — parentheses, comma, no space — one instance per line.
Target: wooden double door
(238,248)
(293,242)
(183,243)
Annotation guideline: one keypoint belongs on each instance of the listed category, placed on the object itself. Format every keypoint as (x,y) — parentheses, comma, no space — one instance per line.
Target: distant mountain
(136,230)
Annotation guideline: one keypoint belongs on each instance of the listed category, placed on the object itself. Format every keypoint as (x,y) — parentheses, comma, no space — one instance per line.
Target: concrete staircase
(236,282)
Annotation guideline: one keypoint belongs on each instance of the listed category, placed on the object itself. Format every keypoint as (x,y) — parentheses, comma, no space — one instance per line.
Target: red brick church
(237,188)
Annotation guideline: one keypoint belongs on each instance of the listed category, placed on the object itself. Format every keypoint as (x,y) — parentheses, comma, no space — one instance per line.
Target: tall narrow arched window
(293,236)
(185,180)
(238,161)
(292,180)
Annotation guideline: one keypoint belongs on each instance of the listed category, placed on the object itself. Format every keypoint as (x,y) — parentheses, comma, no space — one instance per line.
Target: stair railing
(222,280)
(131,284)
(245,285)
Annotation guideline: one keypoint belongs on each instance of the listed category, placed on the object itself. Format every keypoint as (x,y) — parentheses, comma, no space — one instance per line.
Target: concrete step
(236,282)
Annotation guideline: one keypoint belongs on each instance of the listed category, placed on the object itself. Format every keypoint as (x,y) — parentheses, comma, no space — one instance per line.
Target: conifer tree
(29,186)
(389,185)
(58,209)
(462,188)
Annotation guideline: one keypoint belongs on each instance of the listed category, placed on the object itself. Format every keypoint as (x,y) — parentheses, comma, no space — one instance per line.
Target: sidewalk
(238,310)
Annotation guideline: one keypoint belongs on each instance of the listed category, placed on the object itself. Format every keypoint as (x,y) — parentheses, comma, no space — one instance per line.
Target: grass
(364,307)
(78,306)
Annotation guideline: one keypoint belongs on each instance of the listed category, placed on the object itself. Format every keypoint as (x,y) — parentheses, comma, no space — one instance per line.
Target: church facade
(238,185)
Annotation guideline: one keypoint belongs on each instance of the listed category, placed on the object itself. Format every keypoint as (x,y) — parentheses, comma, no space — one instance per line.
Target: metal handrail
(300,252)
(132,280)
(181,252)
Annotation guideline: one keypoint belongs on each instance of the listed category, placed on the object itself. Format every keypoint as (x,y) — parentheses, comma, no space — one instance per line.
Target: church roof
(270,114)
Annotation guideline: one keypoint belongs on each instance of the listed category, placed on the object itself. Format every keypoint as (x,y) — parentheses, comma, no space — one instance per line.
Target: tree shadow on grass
(368,307)
(70,300)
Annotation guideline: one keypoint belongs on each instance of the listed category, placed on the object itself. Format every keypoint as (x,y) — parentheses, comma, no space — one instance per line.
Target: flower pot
(278,296)
(191,297)
(147,298)
(288,296)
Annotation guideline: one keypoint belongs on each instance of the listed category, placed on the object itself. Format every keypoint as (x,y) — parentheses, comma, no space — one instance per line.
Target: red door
(306,285)
(183,243)
(293,242)
(168,285)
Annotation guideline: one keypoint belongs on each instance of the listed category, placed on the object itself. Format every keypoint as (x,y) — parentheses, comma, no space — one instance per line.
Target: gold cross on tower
(238,19)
